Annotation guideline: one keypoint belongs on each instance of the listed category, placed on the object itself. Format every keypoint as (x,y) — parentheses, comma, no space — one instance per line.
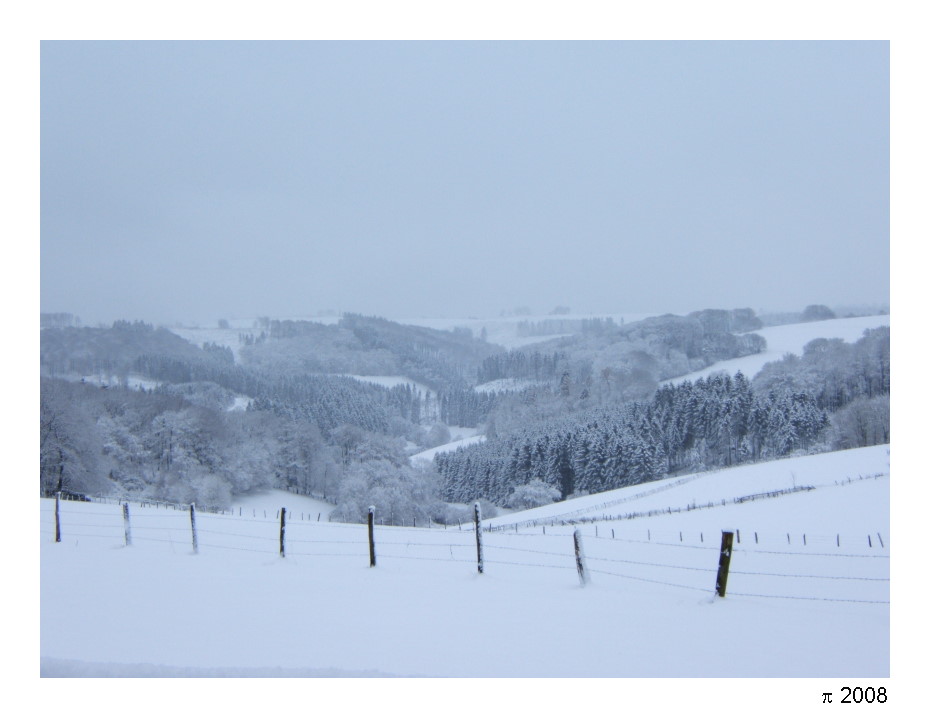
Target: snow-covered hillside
(790,338)
(260,504)
(429,454)
(504,331)
(809,567)
(224,337)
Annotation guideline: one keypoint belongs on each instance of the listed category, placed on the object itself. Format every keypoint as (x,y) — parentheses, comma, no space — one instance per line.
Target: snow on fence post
(478,537)
(57,518)
(126,530)
(579,558)
(371,535)
(193,530)
(282,531)
(723,568)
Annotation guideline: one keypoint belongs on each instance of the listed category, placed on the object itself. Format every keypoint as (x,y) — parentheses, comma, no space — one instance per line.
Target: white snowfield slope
(262,503)
(807,594)
(429,454)
(790,339)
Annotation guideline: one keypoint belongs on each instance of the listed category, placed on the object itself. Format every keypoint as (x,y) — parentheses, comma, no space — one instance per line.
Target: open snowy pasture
(260,504)
(790,339)
(723,487)
(428,455)
(814,607)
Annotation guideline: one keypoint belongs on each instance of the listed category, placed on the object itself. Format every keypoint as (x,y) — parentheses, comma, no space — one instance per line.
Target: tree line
(712,422)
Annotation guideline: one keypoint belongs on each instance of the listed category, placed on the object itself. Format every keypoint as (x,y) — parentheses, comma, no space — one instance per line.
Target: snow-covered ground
(808,608)
(428,455)
(722,486)
(462,432)
(133,381)
(790,339)
(199,336)
(240,403)
(261,504)
(507,384)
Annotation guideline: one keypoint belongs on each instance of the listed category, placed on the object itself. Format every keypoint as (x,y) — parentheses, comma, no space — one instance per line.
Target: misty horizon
(189,182)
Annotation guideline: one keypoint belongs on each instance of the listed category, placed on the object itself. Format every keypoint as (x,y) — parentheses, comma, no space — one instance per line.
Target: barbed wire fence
(759,571)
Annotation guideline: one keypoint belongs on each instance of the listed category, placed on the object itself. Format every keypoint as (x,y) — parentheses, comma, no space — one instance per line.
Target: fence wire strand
(647,563)
(648,580)
(145,523)
(806,598)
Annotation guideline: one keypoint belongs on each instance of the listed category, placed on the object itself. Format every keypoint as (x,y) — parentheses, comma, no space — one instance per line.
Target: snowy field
(815,607)
(508,384)
(427,456)
(198,336)
(790,339)
(133,381)
(262,503)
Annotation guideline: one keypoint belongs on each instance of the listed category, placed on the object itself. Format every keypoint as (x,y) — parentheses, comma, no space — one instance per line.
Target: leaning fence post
(371,534)
(126,524)
(579,558)
(193,530)
(723,569)
(282,532)
(57,518)
(478,537)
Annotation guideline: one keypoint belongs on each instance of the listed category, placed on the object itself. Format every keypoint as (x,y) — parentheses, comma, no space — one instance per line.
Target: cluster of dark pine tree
(688,427)
(205,367)
(328,401)
(466,407)
(517,364)
(110,351)
(333,401)
(440,359)
(548,327)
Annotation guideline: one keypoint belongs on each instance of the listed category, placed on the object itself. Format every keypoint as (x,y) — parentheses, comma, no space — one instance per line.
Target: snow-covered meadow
(808,608)
(790,339)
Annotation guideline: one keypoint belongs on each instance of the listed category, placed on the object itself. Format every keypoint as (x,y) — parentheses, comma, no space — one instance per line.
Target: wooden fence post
(194,531)
(371,535)
(282,532)
(57,518)
(478,537)
(579,558)
(723,569)
(126,524)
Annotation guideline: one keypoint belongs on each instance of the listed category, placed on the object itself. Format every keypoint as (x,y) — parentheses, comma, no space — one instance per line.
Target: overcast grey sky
(193,181)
